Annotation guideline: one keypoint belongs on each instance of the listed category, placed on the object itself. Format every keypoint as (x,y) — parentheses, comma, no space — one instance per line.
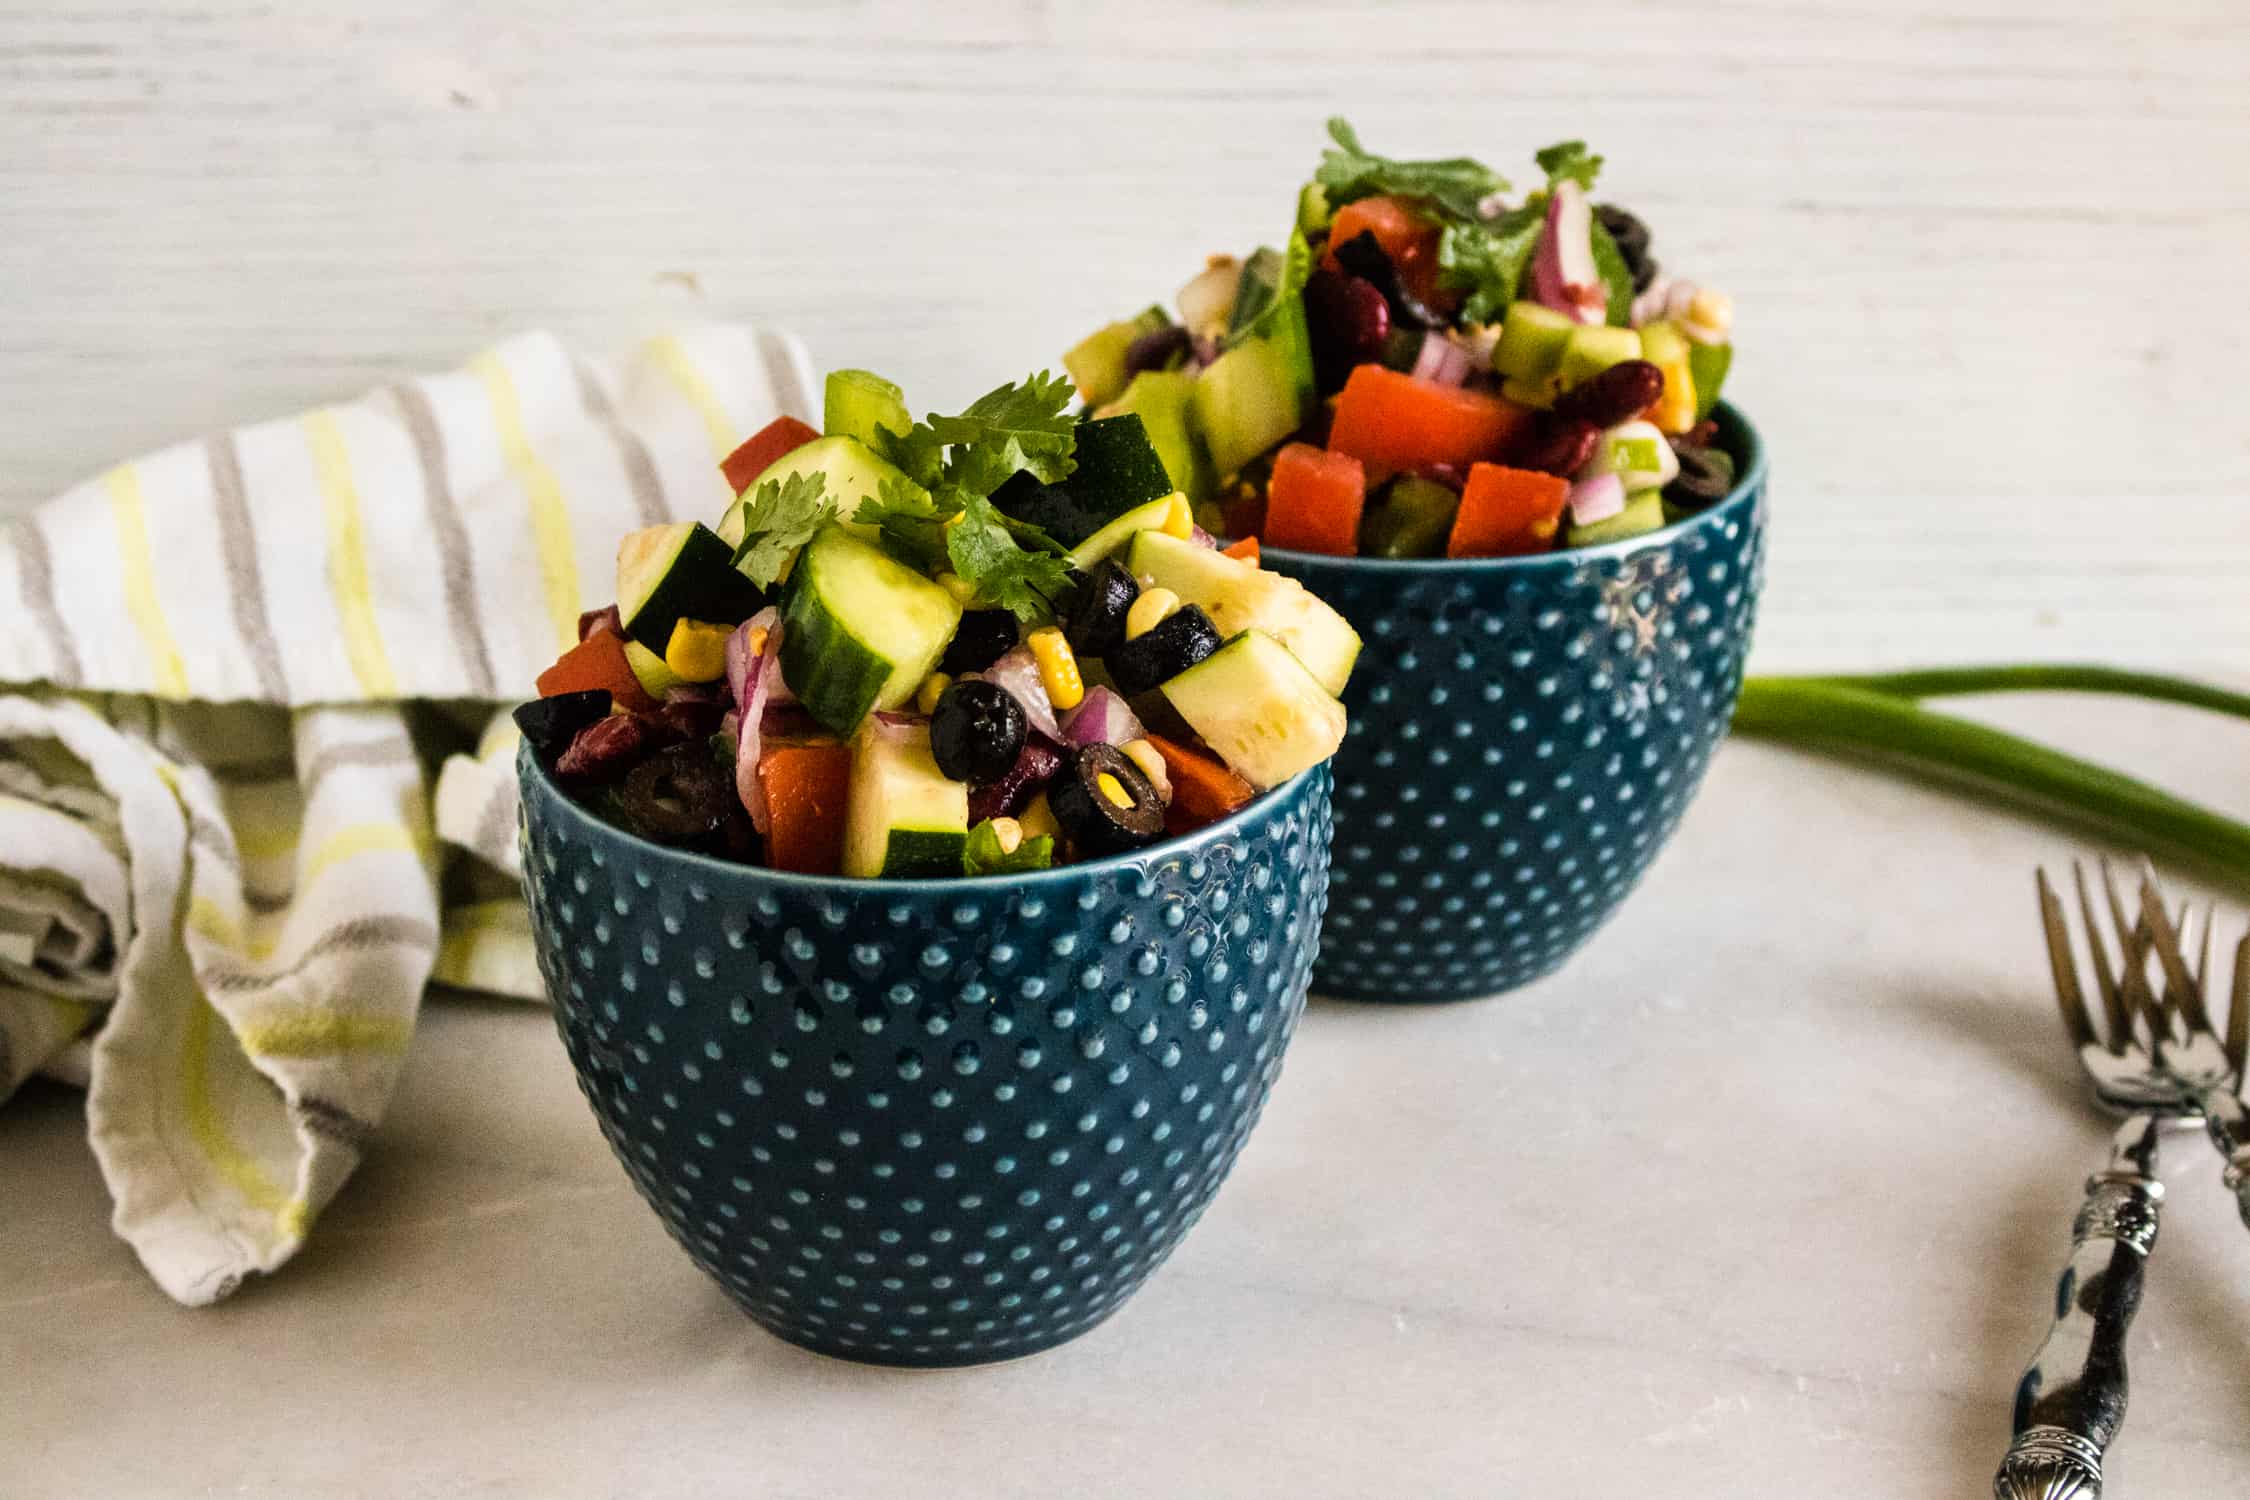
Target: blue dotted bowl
(1524,735)
(929,1122)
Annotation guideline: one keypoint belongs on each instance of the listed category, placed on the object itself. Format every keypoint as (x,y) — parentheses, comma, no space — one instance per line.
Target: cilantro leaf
(982,854)
(1569,161)
(984,551)
(1488,261)
(1013,427)
(1617,277)
(1456,184)
(918,453)
(779,518)
(909,522)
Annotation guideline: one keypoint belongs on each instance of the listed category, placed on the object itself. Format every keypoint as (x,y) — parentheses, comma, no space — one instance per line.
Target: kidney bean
(1035,764)
(1158,349)
(692,718)
(1559,445)
(604,750)
(1616,395)
(1348,321)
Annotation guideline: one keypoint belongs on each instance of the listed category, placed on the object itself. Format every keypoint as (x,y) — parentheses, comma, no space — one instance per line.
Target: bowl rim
(1748,485)
(528,765)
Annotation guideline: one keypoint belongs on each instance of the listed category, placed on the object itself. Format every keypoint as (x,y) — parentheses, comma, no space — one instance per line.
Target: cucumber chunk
(682,568)
(1117,533)
(1239,597)
(1164,401)
(1097,362)
(1256,705)
(861,631)
(851,472)
(1115,469)
(1248,400)
(856,403)
(902,816)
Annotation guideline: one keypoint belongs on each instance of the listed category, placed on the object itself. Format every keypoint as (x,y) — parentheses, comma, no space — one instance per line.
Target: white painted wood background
(1989,254)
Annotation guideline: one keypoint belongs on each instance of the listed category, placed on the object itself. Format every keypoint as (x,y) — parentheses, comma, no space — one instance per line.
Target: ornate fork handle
(2071,1400)
(2227,1121)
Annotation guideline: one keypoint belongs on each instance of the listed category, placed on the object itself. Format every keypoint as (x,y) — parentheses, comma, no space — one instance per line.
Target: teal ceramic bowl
(929,1122)
(1525,733)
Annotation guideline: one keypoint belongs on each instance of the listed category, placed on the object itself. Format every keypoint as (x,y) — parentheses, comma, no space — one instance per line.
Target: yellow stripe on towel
(359,838)
(230,1161)
(672,358)
(137,573)
(347,557)
(311,1031)
(550,515)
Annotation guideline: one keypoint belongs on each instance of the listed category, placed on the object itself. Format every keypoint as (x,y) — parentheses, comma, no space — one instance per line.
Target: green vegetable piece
(1413,520)
(1642,514)
(860,404)
(984,551)
(1248,400)
(1097,362)
(1617,277)
(982,854)
(1314,212)
(1488,260)
(1708,364)
(1532,339)
(1568,160)
(1162,399)
(1592,348)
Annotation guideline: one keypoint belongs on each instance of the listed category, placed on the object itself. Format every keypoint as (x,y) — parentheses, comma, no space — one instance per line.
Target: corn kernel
(1179,521)
(1010,834)
(1114,790)
(1712,309)
(697,651)
(758,639)
(1037,820)
(1150,610)
(1146,758)
(1058,668)
(933,688)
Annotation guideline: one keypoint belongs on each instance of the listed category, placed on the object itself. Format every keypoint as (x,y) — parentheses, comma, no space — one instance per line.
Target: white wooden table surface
(1754,1199)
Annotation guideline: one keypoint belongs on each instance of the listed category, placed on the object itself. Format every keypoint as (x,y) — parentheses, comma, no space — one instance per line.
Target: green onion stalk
(1880,716)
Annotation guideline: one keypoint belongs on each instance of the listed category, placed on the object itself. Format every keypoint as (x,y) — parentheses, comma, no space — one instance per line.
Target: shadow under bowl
(1525,734)
(932,1122)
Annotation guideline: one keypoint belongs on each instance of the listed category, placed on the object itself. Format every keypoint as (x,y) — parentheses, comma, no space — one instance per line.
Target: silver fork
(2186,1043)
(2070,1402)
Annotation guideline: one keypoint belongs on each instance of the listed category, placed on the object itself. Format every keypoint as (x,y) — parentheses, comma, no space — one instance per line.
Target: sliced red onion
(1017,673)
(751,676)
(1202,538)
(1563,275)
(890,720)
(594,620)
(1596,499)
(1102,718)
(1441,361)
(1207,301)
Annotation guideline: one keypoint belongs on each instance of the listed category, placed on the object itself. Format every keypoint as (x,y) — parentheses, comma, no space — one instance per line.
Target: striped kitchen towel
(255,780)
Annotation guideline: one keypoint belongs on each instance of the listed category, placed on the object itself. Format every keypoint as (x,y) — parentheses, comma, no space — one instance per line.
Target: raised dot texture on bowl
(1525,734)
(929,1122)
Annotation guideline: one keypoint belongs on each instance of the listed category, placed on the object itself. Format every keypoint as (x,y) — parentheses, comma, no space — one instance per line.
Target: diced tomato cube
(1314,499)
(1391,421)
(1507,512)
(757,454)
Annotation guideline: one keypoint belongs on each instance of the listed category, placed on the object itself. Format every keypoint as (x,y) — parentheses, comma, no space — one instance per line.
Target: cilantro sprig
(944,519)
(1456,184)
(780,516)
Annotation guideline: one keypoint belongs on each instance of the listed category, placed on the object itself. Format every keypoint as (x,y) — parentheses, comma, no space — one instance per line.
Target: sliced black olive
(1631,237)
(1179,641)
(677,796)
(551,723)
(1098,605)
(1103,803)
(977,731)
(983,637)
(1706,475)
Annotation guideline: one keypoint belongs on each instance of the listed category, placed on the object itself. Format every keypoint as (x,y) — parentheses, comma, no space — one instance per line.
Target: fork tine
(2203,947)
(2113,1003)
(2068,995)
(2238,1012)
(2180,990)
